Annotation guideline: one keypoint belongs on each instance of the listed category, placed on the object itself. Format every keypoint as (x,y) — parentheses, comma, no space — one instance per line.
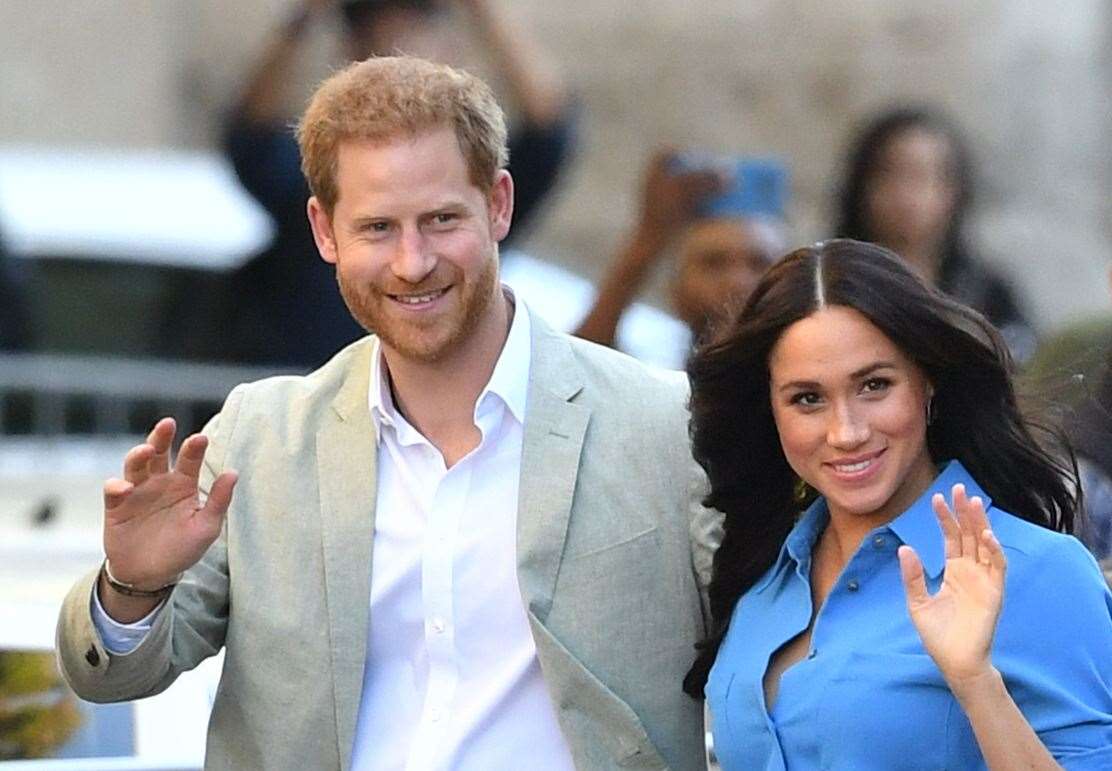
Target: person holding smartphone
(725,232)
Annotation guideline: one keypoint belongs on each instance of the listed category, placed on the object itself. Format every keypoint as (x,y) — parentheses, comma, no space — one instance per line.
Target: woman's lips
(857,468)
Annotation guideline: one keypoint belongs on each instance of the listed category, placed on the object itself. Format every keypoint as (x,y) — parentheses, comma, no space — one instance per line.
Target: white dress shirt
(452,679)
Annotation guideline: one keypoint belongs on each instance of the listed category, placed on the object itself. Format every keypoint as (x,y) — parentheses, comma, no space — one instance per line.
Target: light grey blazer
(610,543)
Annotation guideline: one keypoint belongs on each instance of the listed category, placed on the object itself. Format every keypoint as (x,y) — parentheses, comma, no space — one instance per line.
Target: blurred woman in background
(908,185)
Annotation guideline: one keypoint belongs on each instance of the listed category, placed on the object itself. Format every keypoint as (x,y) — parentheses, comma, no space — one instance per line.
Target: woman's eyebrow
(855,375)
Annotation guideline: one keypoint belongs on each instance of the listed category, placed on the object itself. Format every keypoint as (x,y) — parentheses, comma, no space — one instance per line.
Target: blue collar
(917,527)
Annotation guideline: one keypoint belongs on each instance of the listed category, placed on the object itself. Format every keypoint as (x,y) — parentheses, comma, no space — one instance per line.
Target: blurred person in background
(720,254)
(1090,430)
(16,328)
(908,185)
(1072,369)
(284,305)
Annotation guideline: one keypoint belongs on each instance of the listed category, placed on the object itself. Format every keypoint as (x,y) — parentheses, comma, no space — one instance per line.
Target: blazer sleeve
(706,535)
(189,629)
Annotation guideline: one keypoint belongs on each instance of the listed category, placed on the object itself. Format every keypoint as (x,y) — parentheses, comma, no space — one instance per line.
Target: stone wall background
(1030,82)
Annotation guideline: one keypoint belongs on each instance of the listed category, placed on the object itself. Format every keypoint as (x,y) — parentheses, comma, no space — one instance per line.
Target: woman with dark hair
(908,185)
(834,419)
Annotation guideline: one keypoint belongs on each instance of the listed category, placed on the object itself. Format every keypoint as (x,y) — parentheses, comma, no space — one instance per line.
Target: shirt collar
(917,526)
(799,543)
(509,381)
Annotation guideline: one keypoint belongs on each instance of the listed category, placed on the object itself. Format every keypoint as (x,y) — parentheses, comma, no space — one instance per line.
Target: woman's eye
(806,399)
(874,384)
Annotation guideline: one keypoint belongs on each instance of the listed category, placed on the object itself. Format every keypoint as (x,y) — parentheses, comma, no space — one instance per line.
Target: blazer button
(92,656)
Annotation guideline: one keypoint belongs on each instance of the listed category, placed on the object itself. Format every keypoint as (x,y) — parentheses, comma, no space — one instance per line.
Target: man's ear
(323,233)
(500,204)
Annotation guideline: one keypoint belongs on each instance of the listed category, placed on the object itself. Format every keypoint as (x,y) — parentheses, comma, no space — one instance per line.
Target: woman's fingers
(973,522)
(993,553)
(963,528)
(951,533)
(969,534)
(914,580)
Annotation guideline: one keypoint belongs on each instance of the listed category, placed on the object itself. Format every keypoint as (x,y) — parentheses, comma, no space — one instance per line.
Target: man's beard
(431,342)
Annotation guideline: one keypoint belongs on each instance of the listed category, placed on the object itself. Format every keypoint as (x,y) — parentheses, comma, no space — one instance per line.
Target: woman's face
(911,192)
(850,409)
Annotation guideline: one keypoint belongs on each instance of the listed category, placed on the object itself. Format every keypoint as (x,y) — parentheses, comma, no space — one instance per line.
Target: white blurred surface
(167,208)
(563,299)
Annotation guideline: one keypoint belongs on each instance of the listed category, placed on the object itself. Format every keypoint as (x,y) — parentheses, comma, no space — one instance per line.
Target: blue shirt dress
(867,695)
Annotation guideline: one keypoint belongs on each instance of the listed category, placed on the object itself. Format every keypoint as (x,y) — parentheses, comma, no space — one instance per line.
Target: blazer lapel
(347,479)
(553,440)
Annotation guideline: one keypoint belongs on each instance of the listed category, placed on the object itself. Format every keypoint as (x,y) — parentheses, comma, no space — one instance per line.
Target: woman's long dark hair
(977,420)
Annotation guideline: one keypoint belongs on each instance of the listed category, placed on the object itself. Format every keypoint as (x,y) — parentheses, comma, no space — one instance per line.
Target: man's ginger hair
(390,97)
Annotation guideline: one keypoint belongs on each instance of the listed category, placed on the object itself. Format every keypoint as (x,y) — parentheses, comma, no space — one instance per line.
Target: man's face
(720,262)
(414,242)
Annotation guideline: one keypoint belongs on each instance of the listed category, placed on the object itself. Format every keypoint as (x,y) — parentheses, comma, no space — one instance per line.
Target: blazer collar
(555,427)
(346,477)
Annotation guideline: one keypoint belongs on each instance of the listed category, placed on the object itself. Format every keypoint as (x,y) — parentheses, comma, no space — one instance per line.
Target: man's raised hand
(155,526)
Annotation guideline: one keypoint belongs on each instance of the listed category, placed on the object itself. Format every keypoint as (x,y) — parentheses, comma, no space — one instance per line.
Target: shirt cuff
(121,638)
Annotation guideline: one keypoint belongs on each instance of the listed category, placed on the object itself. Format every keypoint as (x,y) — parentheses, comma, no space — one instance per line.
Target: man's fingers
(116,491)
(914,581)
(951,533)
(191,455)
(219,498)
(161,438)
(136,464)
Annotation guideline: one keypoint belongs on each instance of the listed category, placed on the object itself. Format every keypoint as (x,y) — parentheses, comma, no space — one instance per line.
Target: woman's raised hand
(957,623)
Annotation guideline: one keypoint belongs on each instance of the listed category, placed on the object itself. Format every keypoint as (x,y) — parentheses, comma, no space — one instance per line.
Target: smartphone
(756,186)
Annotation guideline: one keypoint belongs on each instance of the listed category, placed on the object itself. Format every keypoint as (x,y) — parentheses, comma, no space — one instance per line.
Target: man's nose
(412,260)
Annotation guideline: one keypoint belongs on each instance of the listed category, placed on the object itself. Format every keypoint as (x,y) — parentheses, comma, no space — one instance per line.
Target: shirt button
(438,625)
(436,715)
(853,586)
(880,542)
